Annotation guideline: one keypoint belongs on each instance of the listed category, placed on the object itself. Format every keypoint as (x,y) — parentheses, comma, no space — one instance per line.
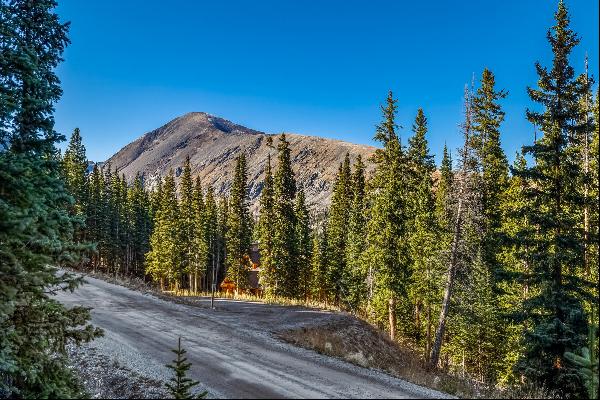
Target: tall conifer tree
(265,227)
(424,234)
(239,227)
(75,171)
(187,217)
(558,323)
(200,257)
(284,234)
(355,274)
(211,221)
(36,230)
(386,230)
(304,245)
(164,258)
(338,230)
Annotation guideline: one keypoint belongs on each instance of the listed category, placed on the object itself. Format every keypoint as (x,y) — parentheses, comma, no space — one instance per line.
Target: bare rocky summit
(213,143)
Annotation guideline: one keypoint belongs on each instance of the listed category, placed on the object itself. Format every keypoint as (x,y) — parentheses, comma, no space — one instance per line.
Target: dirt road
(233,349)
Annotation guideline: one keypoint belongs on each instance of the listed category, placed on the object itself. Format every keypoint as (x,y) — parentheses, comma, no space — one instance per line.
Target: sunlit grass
(272,300)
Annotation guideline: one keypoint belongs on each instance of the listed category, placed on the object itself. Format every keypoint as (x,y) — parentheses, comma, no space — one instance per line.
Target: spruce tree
(387,254)
(304,245)
(444,188)
(480,294)
(338,230)
(354,276)
(266,221)
(211,232)
(424,235)
(222,232)
(139,205)
(487,117)
(164,258)
(319,263)
(418,150)
(187,216)
(464,231)
(180,385)
(284,234)
(515,258)
(557,323)
(94,212)
(75,171)
(36,230)
(239,227)
(199,239)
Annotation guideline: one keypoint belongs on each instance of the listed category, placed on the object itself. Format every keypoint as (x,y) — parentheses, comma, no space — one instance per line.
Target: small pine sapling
(180,385)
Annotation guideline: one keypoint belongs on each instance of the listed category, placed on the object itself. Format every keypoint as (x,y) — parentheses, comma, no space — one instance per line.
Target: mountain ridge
(213,143)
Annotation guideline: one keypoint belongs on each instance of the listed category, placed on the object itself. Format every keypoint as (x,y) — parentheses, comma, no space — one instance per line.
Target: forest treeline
(490,270)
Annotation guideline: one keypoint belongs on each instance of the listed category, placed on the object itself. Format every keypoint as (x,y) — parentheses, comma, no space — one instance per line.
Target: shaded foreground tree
(36,228)
(557,322)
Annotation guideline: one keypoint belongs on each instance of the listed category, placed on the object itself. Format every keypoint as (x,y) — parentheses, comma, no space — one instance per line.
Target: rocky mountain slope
(213,143)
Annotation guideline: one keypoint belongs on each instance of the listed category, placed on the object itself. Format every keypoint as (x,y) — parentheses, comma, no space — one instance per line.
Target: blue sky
(310,67)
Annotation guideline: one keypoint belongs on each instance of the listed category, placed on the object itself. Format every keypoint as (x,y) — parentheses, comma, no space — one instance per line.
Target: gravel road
(232,348)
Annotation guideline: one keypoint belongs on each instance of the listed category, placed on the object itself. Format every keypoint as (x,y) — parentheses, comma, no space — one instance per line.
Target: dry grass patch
(360,343)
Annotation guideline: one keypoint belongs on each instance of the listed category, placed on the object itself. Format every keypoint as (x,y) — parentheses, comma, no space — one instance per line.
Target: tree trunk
(586,170)
(418,319)
(392,315)
(428,340)
(439,334)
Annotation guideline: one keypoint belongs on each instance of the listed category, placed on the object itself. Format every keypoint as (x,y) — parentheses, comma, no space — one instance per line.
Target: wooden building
(229,287)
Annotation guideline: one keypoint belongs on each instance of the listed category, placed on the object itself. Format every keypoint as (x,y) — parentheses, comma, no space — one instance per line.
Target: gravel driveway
(232,348)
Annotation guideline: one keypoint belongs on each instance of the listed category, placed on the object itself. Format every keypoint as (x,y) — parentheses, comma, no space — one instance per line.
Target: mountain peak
(213,143)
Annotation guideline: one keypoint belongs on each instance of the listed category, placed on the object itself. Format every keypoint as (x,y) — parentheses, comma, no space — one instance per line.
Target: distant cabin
(228,286)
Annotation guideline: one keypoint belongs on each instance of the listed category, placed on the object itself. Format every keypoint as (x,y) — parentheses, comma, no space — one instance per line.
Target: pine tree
(304,245)
(180,385)
(266,220)
(36,230)
(424,238)
(587,155)
(115,224)
(464,254)
(211,232)
(338,230)
(164,258)
(199,239)
(443,189)
(94,212)
(284,235)
(222,231)
(487,117)
(418,150)
(239,228)
(187,217)
(75,171)
(516,264)
(319,263)
(387,255)
(479,295)
(141,224)
(557,320)
(354,276)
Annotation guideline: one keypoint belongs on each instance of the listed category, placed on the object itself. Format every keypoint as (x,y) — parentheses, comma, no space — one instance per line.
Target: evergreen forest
(488,268)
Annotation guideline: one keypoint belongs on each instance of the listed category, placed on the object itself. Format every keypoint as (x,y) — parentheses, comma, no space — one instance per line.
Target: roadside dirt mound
(357,342)
(354,341)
